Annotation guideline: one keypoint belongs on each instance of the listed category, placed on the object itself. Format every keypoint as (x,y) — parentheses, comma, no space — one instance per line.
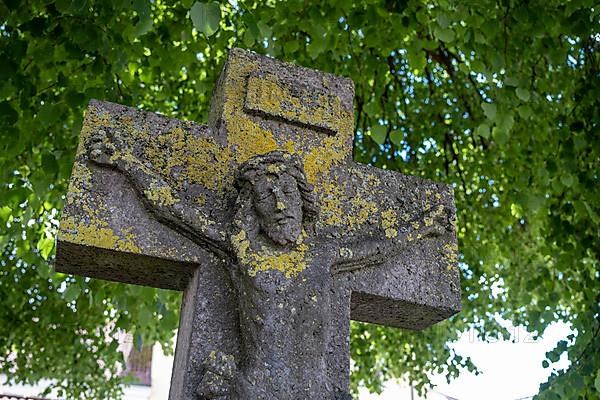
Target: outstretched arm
(370,252)
(158,197)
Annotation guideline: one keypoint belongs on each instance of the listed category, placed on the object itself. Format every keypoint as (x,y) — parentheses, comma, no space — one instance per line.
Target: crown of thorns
(274,162)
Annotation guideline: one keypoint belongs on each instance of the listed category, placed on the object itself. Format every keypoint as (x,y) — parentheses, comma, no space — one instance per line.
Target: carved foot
(218,379)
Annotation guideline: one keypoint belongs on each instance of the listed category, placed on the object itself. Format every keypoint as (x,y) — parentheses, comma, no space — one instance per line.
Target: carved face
(278,205)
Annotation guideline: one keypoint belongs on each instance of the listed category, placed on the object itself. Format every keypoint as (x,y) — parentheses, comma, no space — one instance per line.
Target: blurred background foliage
(498,98)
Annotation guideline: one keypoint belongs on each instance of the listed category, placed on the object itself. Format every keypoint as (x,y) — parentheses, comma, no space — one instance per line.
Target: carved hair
(275,163)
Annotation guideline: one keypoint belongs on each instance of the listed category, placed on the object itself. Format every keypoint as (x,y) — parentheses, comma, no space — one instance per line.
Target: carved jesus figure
(281,270)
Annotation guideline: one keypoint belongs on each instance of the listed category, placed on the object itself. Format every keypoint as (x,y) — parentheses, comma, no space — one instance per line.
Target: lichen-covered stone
(291,239)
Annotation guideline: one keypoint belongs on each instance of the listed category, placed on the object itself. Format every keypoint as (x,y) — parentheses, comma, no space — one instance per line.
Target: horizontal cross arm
(132,222)
(397,248)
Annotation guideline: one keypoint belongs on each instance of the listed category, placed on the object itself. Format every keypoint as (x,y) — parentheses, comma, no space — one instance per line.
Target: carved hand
(104,149)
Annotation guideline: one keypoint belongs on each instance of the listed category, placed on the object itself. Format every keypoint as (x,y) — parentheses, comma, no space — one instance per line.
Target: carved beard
(283,234)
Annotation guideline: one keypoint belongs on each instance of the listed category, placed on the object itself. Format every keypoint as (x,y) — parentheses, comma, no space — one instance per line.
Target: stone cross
(275,236)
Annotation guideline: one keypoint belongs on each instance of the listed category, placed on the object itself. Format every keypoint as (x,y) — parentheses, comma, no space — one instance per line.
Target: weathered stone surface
(291,238)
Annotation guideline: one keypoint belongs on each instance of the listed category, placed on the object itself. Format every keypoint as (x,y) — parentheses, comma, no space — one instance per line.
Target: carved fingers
(100,150)
(103,147)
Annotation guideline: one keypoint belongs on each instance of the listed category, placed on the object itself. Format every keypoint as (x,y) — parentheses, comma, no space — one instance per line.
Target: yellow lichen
(200,199)
(331,207)
(450,254)
(388,223)
(161,195)
(391,233)
(373,181)
(91,235)
(274,168)
(240,244)
(320,159)
(289,262)
(267,94)
(246,137)
(81,179)
(362,211)
(127,243)
(345,252)
(184,158)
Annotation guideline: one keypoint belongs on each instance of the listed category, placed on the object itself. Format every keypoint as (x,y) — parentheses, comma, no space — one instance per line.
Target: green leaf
(534,202)
(378,133)
(72,292)
(206,17)
(318,41)
(8,115)
(443,20)
(577,381)
(593,215)
(500,135)
(40,182)
(489,109)
(316,46)
(48,114)
(144,24)
(483,130)
(248,38)
(444,34)
(291,46)
(45,246)
(145,317)
(567,179)
(71,6)
(5,212)
(505,121)
(265,30)
(44,270)
(525,111)
(416,59)
(397,137)
(49,165)
(522,94)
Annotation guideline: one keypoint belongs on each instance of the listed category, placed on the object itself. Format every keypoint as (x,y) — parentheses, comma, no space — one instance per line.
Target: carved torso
(284,303)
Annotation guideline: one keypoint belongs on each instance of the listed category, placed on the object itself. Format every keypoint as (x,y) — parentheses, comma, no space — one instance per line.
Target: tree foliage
(498,98)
